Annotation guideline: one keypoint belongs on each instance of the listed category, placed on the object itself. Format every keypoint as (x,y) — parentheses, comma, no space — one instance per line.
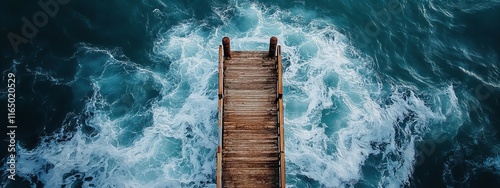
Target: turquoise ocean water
(377,94)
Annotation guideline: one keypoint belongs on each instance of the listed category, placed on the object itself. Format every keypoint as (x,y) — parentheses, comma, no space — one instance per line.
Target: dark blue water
(377,94)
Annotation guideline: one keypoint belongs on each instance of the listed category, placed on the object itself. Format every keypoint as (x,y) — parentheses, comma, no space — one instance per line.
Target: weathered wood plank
(249,132)
(251,137)
(252,86)
(250,79)
(250,119)
(249,86)
(246,74)
(250,125)
(249,98)
(241,112)
(252,159)
(270,99)
(256,144)
(263,93)
(250,62)
(249,52)
(234,146)
(258,63)
(236,165)
(242,104)
(256,126)
(253,171)
(263,67)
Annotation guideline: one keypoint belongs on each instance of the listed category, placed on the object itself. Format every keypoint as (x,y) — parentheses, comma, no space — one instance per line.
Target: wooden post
(227,46)
(272,46)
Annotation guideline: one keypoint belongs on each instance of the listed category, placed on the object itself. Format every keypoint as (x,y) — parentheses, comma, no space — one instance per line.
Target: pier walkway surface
(251,140)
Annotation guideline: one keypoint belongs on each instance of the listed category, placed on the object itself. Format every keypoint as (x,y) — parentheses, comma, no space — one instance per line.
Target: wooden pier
(251,132)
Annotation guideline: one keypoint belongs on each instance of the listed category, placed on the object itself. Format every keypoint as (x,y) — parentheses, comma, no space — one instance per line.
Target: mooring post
(272,46)
(227,46)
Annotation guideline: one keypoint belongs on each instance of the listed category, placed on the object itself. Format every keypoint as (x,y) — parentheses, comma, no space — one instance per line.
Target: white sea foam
(339,114)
